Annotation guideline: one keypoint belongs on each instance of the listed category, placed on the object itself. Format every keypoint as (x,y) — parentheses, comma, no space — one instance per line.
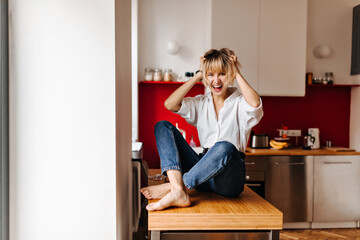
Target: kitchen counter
(295,151)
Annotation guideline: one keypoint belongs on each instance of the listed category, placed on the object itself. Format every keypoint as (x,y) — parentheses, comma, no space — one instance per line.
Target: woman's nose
(217,77)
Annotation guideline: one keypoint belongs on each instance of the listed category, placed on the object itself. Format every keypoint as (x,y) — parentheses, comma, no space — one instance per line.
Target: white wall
(355,119)
(330,22)
(62,120)
(160,21)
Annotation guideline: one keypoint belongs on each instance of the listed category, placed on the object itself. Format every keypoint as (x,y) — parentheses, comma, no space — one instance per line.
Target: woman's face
(218,82)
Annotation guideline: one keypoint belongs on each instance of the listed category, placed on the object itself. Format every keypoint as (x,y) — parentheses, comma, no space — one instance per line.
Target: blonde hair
(217,61)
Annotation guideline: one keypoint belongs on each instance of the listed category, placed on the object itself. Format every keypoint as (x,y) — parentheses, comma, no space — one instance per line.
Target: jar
(168,75)
(157,74)
(309,78)
(188,76)
(149,74)
(329,76)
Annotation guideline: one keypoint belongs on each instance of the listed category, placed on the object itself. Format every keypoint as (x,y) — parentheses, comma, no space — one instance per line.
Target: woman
(223,117)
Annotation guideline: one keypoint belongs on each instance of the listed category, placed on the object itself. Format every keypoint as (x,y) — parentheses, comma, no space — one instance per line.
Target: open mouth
(217,88)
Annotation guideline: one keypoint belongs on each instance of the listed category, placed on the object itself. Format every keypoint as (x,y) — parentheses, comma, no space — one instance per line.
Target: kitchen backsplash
(323,107)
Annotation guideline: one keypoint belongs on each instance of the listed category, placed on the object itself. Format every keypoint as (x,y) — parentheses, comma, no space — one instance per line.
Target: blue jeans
(221,169)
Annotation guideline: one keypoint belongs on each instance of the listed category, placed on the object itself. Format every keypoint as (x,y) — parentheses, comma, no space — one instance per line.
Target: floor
(330,234)
(318,234)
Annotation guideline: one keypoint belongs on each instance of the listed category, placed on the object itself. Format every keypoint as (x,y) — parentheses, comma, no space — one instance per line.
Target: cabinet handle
(295,163)
(250,163)
(253,184)
(247,177)
(337,162)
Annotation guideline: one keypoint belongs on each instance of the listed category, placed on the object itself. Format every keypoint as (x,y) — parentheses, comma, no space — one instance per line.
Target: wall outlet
(290,132)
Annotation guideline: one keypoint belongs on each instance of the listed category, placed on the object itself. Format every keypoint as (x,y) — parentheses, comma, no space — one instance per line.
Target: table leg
(155,235)
(274,234)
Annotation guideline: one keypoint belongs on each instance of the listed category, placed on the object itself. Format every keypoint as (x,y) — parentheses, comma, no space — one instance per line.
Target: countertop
(295,151)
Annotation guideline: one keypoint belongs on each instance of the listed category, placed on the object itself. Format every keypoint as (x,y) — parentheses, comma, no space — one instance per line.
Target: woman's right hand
(201,68)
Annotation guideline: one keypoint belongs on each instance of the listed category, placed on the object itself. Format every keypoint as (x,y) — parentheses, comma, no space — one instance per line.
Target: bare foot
(175,198)
(156,191)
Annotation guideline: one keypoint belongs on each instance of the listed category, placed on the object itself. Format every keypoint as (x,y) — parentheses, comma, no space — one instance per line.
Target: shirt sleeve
(249,115)
(189,109)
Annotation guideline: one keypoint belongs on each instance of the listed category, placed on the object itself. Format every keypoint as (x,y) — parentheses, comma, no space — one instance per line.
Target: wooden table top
(295,151)
(210,211)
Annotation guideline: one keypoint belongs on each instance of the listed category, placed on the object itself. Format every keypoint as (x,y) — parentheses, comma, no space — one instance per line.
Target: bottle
(192,142)
(157,74)
(309,77)
(149,74)
(181,131)
(167,75)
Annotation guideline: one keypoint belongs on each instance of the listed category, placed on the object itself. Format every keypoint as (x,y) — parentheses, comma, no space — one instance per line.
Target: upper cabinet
(269,37)
(282,46)
(235,24)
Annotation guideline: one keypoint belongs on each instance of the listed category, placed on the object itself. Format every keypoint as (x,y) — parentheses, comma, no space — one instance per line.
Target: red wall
(323,107)
(151,110)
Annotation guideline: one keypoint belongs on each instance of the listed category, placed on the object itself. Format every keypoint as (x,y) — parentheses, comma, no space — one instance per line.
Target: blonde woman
(223,117)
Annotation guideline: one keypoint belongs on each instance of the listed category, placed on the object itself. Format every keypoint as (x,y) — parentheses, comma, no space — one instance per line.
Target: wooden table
(212,216)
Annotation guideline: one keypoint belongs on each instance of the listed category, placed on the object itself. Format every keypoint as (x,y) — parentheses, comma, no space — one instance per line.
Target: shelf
(163,82)
(332,85)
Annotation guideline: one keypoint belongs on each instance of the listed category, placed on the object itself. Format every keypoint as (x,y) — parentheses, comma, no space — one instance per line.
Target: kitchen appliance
(315,133)
(308,139)
(289,187)
(255,174)
(260,141)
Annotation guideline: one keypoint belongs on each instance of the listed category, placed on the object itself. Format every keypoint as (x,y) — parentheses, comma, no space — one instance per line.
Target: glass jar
(157,74)
(149,74)
(168,75)
(329,76)
(188,76)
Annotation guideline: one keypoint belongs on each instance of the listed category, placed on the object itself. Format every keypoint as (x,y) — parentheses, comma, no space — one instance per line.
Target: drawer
(254,176)
(255,163)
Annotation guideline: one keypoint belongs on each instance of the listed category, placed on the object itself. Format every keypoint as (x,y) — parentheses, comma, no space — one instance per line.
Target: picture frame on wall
(355,53)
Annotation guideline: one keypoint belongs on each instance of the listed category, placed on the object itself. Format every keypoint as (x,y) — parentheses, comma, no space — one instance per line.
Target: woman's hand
(235,64)
(200,73)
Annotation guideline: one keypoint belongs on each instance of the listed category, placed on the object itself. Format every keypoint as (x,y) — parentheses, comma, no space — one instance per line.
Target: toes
(146,193)
(152,206)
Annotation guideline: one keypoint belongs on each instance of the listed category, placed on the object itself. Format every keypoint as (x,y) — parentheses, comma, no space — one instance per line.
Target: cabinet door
(336,188)
(235,25)
(282,46)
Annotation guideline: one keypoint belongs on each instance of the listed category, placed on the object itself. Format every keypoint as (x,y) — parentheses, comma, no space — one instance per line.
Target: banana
(275,146)
(278,145)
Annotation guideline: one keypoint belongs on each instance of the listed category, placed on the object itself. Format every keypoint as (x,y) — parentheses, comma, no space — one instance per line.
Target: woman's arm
(250,95)
(173,102)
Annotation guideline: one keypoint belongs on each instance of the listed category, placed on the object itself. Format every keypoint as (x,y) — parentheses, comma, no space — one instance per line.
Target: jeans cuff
(186,184)
(163,170)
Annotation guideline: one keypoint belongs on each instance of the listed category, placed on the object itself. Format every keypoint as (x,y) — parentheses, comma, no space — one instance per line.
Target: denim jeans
(221,169)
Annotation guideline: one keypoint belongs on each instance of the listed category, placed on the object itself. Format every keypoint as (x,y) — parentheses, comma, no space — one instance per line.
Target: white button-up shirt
(234,123)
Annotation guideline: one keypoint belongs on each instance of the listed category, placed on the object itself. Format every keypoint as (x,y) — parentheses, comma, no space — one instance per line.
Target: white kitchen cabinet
(282,47)
(269,37)
(336,189)
(235,25)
